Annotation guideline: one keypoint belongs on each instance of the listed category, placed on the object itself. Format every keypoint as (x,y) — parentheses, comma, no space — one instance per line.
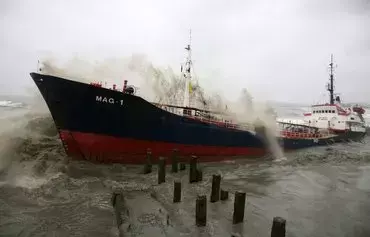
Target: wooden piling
(201,210)
(182,166)
(199,175)
(117,201)
(175,161)
(161,170)
(177,192)
(148,162)
(278,227)
(193,169)
(239,206)
(224,195)
(216,183)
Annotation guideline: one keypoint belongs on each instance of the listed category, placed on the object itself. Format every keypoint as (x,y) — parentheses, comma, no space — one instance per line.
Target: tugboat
(112,125)
(325,123)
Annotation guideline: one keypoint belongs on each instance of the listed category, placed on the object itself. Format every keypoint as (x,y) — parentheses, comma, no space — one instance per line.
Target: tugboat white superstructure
(348,122)
(324,124)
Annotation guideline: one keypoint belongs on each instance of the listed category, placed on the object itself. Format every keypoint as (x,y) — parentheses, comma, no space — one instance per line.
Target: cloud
(278,50)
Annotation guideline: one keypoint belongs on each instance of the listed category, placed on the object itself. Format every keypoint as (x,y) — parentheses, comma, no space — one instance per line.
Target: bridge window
(187,112)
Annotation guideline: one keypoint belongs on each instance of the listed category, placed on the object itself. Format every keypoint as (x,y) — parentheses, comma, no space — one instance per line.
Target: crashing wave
(11,104)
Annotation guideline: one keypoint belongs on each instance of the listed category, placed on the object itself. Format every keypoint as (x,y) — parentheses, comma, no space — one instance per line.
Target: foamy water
(11,104)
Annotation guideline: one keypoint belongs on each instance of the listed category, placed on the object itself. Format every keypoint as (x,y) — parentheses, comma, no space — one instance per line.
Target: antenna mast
(331,82)
(187,73)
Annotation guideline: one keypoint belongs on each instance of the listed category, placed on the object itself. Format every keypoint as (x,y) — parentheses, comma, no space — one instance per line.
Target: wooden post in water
(224,195)
(216,183)
(175,161)
(182,166)
(148,162)
(239,206)
(117,201)
(176,192)
(201,211)
(193,169)
(278,227)
(161,170)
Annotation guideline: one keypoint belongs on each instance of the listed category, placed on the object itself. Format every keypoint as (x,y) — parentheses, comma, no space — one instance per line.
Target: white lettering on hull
(108,100)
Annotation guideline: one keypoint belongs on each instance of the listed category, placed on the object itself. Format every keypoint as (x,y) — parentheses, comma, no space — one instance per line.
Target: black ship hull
(110,126)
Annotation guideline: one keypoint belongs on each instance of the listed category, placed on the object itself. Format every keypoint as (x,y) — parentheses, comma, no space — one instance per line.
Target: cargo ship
(116,125)
(324,124)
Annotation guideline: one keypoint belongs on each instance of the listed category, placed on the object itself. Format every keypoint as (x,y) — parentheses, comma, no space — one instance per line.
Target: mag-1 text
(108,100)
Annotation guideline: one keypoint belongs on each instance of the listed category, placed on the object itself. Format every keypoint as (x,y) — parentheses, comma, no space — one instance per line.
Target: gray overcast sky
(277,49)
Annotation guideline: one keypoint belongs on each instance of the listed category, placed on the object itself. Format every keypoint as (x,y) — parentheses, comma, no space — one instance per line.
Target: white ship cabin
(335,117)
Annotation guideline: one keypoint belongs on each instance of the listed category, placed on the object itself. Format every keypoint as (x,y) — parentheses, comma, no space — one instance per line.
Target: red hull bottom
(108,149)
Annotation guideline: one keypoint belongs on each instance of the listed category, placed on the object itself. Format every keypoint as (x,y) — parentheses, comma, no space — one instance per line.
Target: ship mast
(186,72)
(331,82)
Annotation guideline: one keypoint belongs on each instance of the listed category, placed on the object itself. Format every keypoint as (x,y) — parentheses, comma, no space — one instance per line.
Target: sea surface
(320,191)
